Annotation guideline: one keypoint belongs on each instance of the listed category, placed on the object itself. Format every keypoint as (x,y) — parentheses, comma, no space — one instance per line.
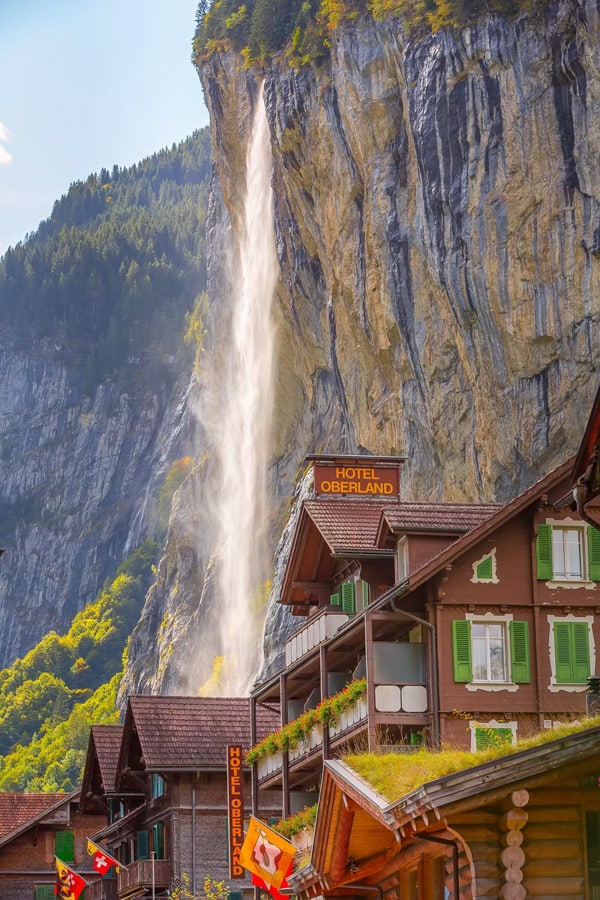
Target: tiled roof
(16,810)
(193,732)
(347,524)
(354,524)
(107,741)
(459,517)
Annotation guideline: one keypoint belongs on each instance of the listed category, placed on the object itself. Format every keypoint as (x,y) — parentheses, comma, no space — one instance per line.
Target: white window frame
(402,559)
(490,619)
(493,723)
(561,686)
(566,583)
(494,579)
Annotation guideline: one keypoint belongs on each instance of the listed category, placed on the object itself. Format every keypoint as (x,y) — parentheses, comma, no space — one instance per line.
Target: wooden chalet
(34,828)
(465,620)
(585,477)
(162,779)
(524,825)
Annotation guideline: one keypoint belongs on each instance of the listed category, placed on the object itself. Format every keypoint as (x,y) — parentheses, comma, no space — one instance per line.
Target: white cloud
(5,157)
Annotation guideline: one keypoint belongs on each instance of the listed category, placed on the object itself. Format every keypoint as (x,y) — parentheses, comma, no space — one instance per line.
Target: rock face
(437,210)
(438,222)
(77,475)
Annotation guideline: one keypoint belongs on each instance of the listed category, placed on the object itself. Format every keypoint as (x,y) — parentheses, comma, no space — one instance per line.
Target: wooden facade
(471,624)
(164,791)
(523,826)
(33,829)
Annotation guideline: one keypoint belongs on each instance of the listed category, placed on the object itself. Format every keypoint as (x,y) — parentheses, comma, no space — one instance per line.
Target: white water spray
(245,428)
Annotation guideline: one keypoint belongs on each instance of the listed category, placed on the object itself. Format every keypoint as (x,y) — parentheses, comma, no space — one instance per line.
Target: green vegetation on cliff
(108,278)
(261,28)
(49,698)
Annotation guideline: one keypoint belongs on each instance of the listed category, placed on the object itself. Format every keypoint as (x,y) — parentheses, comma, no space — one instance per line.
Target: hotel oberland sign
(358,478)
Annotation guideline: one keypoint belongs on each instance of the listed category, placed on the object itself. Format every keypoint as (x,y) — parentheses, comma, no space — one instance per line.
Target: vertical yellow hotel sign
(235,806)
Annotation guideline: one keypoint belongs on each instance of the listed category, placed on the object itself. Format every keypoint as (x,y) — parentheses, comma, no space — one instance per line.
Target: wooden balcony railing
(143,873)
(102,889)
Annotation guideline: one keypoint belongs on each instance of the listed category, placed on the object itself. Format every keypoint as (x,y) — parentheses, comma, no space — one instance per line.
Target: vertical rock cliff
(437,210)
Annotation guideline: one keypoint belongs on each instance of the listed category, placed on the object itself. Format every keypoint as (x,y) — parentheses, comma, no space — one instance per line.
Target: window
(402,560)
(64,845)
(490,650)
(143,849)
(158,840)
(571,649)
(45,892)
(484,569)
(158,785)
(492,734)
(567,551)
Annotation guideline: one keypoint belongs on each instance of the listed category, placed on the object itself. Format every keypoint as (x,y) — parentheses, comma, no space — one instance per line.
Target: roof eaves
(11,835)
(443,791)
(464,543)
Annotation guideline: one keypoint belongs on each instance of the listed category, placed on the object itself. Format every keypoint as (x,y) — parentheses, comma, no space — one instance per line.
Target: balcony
(319,629)
(102,889)
(142,875)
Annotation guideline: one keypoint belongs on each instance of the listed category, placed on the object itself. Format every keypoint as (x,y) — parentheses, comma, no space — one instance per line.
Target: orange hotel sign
(235,808)
(359,478)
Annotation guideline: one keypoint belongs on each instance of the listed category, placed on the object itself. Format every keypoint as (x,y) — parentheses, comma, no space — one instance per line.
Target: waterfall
(244,444)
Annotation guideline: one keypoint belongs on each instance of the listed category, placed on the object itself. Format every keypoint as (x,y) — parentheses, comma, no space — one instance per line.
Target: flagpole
(153,883)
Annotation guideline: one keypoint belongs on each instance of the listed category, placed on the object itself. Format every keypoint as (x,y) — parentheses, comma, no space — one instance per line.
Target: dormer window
(402,559)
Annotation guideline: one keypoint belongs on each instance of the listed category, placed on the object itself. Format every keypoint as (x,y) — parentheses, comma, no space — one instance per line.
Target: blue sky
(86,84)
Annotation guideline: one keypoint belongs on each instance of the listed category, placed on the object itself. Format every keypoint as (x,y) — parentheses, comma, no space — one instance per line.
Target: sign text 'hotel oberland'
(358,479)
(235,804)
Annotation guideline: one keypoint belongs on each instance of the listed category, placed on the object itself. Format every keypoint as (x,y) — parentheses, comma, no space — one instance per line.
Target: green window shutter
(365,593)
(158,840)
(492,737)
(143,849)
(347,592)
(593,536)
(44,892)
(572,649)
(461,650)
(519,652)
(235,895)
(543,552)
(484,570)
(581,652)
(335,599)
(562,651)
(64,845)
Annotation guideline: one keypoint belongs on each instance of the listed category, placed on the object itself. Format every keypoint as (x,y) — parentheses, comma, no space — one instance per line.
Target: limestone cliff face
(437,210)
(77,475)
(438,222)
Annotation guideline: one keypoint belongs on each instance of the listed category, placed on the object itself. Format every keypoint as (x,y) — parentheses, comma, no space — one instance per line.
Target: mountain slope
(94,377)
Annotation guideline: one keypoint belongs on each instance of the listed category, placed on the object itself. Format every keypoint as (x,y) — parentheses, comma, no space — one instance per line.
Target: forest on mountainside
(258,29)
(111,274)
(50,697)
(111,284)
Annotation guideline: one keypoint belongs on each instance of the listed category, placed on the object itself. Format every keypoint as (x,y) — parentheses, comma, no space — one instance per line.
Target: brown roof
(347,525)
(193,732)
(456,517)
(16,810)
(107,741)
(497,518)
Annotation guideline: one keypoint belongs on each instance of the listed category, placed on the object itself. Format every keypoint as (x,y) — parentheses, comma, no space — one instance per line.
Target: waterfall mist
(242,436)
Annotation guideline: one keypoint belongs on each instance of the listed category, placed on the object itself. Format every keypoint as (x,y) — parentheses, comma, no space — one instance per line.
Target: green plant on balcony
(300,821)
(327,712)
